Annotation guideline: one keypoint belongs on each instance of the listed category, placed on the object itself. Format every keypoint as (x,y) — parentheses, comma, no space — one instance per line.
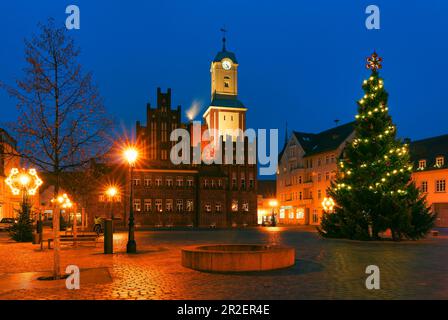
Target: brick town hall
(194,195)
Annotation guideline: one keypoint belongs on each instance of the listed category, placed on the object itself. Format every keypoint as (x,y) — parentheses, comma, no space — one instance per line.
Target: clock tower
(225,113)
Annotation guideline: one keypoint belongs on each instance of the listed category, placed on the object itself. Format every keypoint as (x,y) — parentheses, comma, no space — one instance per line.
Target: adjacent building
(8,203)
(430,157)
(308,164)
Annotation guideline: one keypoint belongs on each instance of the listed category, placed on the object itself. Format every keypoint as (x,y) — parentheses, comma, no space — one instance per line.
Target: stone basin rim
(263,248)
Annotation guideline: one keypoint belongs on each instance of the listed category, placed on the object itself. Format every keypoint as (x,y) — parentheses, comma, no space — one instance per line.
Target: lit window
(179,181)
(136,182)
(208,207)
(101,198)
(190,182)
(147,205)
(158,182)
(169,182)
(137,205)
(245,206)
(440,161)
(189,205)
(441,185)
(218,207)
(282,213)
(234,205)
(147,182)
(422,164)
(159,205)
(291,214)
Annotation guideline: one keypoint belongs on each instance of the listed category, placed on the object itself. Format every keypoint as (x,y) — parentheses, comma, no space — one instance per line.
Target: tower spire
(224,31)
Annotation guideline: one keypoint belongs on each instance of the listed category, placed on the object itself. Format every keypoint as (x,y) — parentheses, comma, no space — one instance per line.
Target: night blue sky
(300,61)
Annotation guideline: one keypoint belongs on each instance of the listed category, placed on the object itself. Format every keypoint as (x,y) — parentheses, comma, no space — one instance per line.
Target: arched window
(226,81)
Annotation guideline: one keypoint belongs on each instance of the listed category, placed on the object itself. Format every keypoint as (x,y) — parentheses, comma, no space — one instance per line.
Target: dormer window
(440,162)
(422,164)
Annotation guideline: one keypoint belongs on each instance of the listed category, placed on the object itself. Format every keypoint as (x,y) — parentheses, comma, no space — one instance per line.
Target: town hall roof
(223,100)
(224,53)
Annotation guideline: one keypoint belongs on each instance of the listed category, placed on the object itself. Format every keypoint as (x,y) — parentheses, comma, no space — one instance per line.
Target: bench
(65,238)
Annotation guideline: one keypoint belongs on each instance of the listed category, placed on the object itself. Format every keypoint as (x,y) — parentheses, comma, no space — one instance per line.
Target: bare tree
(62,122)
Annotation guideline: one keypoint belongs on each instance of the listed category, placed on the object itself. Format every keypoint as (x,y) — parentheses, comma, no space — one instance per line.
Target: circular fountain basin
(237,257)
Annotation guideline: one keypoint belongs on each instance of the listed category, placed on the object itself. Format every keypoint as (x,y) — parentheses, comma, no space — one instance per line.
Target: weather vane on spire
(374,62)
(224,32)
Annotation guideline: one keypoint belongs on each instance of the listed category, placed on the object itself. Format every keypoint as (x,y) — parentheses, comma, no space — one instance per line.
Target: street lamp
(273,204)
(27,182)
(131,155)
(328,204)
(112,192)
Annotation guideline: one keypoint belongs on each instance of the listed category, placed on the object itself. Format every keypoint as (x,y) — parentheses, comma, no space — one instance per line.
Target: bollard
(108,237)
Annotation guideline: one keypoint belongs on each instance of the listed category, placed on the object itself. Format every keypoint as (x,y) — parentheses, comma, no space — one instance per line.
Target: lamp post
(273,204)
(61,201)
(112,192)
(131,155)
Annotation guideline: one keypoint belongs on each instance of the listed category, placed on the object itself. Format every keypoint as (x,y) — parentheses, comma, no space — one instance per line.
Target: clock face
(227,65)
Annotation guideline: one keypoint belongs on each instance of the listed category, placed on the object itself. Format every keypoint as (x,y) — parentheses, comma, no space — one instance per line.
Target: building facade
(308,164)
(210,195)
(430,158)
(8,202)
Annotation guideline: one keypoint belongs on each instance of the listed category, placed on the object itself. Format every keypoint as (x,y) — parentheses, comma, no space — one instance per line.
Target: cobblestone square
(325,269)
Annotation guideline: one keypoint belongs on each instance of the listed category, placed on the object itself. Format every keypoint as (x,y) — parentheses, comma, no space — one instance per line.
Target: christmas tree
(374,191)
(22,231)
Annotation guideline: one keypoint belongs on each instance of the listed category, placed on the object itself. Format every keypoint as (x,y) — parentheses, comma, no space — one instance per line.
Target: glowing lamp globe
(328,204)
